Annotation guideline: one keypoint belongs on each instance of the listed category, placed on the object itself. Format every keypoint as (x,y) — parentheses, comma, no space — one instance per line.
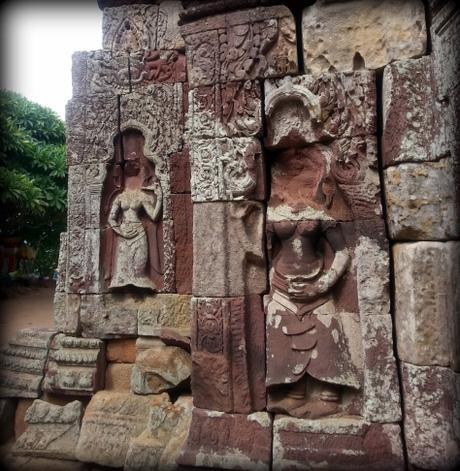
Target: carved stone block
(182,213)
(225,110)
(248,44)
(111,420)
(118,377)
(165,310)
(154,67)
(160,369)
(109,315)
(66,313)
(52,431)
(343,35)
(62,263)
(431,416)
(228,441)
(314,108)
(230,259)
(336,443)
(227,170)
(22,363)
(159,445)
(411,114)
(121,350)
(92,123)
(228,354)
(134,27)
(75,366)
(100,72)
(421,201)
(427,302)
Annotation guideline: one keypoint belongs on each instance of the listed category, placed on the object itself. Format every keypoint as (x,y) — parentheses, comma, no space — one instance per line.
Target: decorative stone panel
(111,420)
(243,45)
(229,253)
(75,366)
(336,443)
(22,363)
(52,431)
(360,34)
(228,350)
(228,441)
(233,109)
(227,170)
(427,302)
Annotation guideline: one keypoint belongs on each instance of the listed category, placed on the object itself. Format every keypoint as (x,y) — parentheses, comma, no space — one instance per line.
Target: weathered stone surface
(135,27)
(160,444)
(118,377)
(312,108)
(228,441)
(7,413)
(180,172)
(361,34)
(92,123)
(225,110)
(170,336)
(160,369)
(75,366)
(145,343)
(421,201)
(110,315)
(121,351)
(248,44)
(26,463)
(165,310)
(19,417)
(228,354)
(431,416)
(229,254)
(227,170)
(427,302)
(182,214)
(413,119)
(111,420)
(66,313)
(62,263)
(52,431)
(22,363)
(336,443)
(100,72)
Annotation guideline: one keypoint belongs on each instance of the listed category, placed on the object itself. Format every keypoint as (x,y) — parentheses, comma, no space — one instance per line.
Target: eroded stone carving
(75,366)
(243,45)
(227,169)
(232,109)
(228,354)
(52,431)
(228,441)
(111,420)
(22,363)
(231,259)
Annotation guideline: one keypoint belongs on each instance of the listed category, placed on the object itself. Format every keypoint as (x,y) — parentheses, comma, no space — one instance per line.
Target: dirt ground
(25,307)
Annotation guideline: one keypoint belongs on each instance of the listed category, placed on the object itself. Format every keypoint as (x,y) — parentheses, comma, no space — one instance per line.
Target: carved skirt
(301,341)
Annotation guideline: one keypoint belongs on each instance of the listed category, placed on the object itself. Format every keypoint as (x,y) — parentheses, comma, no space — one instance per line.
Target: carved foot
(315,409)
(285,405)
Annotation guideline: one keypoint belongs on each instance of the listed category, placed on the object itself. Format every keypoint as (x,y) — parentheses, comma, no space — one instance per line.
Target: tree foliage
(33,188)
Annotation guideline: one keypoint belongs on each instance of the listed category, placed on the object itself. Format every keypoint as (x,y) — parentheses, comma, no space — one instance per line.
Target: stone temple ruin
(260,270)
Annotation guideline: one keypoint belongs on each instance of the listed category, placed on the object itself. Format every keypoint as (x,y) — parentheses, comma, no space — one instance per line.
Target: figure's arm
(113,216)
(153,211)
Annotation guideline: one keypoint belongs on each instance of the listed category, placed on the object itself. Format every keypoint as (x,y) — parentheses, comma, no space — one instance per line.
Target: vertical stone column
(227,56)
(421,155)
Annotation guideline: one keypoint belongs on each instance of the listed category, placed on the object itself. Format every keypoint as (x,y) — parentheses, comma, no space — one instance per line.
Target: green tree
(33,184)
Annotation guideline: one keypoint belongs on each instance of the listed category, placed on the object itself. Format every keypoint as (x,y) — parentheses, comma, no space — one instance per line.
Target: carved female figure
(133,215)
(308,358)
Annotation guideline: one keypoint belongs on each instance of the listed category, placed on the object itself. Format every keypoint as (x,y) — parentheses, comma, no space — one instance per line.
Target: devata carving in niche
(133,214)
(308,361)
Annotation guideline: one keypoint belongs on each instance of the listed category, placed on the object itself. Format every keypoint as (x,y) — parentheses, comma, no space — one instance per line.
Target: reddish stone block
(337,443)
(180,172)
(228,354)
(228,441)
(183,227)
(121,351)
